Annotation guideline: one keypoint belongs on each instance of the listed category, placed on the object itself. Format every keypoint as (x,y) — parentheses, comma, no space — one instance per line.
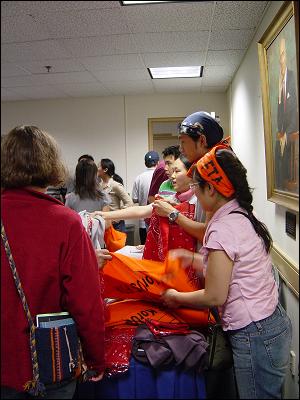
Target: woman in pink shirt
(237,266)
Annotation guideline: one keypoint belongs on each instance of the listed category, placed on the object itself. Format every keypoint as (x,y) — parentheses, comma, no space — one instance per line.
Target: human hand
(92,376)
(170,298)
(186,257)
(163,208)
(102,255)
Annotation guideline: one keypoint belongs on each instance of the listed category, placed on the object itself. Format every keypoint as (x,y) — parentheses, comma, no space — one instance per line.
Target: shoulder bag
(55,352)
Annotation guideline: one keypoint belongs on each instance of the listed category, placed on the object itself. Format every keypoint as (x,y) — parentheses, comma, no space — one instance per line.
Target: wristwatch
(173,215)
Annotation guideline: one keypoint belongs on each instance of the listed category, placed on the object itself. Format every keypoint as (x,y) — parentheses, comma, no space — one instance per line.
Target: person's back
(87,195)
(141,186)
(52,253)
(112,184)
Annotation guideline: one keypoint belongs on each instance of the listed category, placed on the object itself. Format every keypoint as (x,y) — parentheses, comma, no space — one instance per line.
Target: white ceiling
(99,48)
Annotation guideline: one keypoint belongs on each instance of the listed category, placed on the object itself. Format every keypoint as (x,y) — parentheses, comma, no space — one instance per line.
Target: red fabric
(118,342)
(158,177)
(58,270)
(163,236)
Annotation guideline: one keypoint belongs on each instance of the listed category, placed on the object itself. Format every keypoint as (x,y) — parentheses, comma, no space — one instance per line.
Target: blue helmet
(202,123)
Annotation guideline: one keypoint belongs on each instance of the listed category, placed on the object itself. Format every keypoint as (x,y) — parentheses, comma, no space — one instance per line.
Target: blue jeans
(261,356)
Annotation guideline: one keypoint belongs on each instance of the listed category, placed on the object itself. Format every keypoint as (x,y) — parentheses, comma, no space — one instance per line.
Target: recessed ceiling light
(176,72)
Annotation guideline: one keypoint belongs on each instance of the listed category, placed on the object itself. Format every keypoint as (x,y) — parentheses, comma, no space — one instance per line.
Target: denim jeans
(63,390)
(261,356)
(120,226)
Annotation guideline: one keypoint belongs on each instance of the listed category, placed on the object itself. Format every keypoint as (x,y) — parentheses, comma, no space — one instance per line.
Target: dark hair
(185,161)
(171,151)
(106,163)
(86,156)
(237,174)
(86,184)
(30,157)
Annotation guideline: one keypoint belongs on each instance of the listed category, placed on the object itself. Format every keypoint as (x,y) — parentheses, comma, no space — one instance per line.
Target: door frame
(150,127)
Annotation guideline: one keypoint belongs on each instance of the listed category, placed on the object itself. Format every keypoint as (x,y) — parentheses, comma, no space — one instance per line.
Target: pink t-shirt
(253,293)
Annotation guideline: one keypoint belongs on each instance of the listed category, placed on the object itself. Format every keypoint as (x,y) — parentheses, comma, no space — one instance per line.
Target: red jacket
(58,270)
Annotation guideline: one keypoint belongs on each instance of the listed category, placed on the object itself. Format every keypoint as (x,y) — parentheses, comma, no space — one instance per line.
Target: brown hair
(30,157)
(86,184)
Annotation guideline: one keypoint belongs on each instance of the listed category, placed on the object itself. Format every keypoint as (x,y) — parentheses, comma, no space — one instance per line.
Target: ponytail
(237,174)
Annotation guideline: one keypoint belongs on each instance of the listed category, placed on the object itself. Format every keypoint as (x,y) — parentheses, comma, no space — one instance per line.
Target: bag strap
(215,313)
(34,387)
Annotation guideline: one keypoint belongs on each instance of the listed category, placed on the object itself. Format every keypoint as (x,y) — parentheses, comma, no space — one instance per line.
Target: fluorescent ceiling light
(131,3)
(175,72)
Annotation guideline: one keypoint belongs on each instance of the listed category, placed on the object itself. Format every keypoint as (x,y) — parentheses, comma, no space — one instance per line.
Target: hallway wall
(246,120)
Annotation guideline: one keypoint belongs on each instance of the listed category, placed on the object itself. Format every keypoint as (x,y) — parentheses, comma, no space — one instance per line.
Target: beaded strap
(34,387)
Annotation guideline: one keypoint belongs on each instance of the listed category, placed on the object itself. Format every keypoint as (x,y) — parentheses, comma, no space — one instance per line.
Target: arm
(135,212)
(193,228)
(84,301)
(217,282)
(123,196)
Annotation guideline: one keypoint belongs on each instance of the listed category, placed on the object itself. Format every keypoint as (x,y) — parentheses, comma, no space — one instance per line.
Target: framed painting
(278,61)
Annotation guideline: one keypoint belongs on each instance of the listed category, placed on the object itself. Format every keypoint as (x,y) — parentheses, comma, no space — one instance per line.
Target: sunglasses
(190,130)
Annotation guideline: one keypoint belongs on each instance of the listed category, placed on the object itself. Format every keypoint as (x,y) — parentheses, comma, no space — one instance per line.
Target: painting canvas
(279,75)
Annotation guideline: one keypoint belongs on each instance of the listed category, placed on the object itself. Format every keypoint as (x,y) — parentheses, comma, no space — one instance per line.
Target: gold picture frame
(279,73)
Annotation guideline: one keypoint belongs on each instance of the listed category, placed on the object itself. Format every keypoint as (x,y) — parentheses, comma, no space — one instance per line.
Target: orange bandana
(210,170)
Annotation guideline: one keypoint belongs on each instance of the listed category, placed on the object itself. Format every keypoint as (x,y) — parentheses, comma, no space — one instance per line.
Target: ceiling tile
(119,75)
(166,17)
(125,61)
(97,46)
(22,28)
(48,79)
(84,89)
(81,23)
(10,95)
(173,59)
(13,8)
(177,85)
(33,51)
(230,39)
(10,69)
(40,92)
(172,41)
(222,71)
(224,57)
(60,65)
(130,87)
(238,14)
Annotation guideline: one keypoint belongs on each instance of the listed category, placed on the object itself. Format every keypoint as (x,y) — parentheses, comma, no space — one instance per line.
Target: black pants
(64,390)
(143,235)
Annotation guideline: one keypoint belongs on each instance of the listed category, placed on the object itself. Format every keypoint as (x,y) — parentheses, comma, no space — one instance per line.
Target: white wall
(115,127)
(246,121)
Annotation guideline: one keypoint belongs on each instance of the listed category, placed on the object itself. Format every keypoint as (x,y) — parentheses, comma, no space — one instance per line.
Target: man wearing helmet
(198,133)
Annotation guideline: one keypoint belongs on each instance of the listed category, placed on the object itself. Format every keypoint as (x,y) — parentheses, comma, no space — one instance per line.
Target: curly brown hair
(30,157)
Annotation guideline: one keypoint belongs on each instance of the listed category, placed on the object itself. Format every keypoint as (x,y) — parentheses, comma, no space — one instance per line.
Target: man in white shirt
(141,188)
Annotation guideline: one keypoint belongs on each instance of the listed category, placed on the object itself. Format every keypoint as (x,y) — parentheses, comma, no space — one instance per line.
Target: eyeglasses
(194,185)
